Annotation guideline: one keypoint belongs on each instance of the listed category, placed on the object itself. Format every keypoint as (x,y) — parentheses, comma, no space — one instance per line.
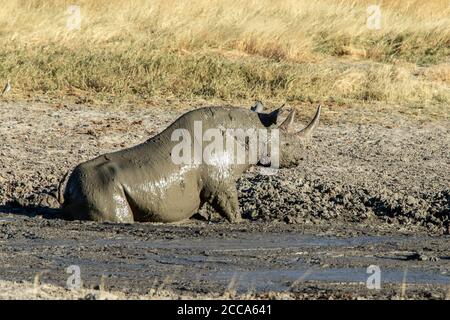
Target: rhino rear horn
(258,107)
(288,124)
(309,129)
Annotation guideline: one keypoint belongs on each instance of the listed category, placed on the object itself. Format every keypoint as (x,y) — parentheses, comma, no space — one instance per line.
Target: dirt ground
(367,193)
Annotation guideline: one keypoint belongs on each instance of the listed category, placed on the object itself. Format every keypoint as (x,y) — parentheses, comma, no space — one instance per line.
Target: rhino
(144,184)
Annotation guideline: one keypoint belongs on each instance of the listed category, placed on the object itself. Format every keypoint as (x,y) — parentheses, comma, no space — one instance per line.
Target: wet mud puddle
(244,261)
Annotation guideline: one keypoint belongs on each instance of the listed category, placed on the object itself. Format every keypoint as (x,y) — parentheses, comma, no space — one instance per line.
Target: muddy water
(246,262)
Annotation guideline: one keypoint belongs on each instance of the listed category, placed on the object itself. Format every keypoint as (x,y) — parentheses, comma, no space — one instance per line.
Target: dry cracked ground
(366,193)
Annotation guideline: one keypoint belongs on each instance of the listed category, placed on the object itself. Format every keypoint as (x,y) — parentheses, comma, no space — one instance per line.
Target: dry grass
(274,49)
(350,291)
(27,291)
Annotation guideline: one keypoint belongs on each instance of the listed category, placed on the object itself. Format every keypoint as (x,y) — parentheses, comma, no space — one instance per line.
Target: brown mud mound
(291,199)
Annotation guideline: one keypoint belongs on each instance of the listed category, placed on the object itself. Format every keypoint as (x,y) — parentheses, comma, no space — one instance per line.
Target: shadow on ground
(30,211)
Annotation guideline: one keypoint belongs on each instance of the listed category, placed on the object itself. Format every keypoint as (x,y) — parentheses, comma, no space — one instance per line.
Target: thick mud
(218,259)
(363,195)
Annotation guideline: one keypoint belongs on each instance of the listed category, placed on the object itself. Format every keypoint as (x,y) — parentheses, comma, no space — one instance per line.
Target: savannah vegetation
(302,52)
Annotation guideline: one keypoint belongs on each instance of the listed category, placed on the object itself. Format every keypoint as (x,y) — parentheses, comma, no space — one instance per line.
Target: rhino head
(291,143)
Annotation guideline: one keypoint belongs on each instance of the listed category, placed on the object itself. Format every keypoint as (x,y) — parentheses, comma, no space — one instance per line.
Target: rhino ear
(258,107)
(288,124)
(269,119)
(275,113)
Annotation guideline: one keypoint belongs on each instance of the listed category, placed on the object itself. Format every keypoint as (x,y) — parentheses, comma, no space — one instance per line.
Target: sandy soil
(365,194)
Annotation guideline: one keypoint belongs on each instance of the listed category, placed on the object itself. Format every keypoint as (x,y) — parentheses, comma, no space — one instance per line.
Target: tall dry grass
(236,49)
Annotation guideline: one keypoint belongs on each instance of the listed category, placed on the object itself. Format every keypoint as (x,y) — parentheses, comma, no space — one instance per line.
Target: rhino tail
(61,184)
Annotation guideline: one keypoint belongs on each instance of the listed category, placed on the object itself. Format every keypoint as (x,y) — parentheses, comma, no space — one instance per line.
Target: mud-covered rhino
(142,183)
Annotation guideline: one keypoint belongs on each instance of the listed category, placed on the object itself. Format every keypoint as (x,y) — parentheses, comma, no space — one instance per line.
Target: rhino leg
(120,207)
(103,205)
(224,200)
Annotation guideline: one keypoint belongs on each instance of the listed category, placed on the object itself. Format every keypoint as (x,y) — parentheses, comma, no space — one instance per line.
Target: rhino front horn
(308,130)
